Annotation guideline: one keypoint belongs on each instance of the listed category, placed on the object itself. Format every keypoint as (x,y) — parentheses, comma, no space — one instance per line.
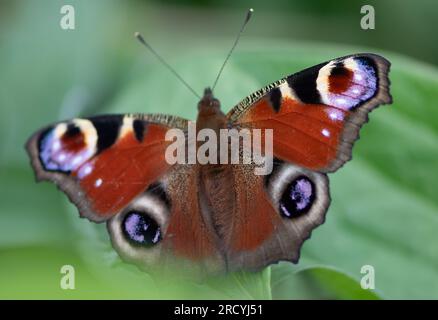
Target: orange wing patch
(255,218)
(124,170)
(305,134)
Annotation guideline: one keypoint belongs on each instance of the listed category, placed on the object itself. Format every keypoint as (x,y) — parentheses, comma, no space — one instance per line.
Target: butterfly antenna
(148,46)
(248,16)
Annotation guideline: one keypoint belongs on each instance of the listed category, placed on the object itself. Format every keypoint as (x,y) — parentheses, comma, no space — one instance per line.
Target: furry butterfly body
(219,217)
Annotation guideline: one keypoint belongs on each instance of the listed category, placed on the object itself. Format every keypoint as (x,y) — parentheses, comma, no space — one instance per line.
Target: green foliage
(384,206)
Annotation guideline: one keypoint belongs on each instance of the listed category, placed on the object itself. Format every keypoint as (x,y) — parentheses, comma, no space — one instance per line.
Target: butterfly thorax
(215,180)
(210,115)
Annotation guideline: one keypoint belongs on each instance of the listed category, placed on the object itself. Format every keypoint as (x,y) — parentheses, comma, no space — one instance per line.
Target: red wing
(266,228)
(316,114)
(102,163)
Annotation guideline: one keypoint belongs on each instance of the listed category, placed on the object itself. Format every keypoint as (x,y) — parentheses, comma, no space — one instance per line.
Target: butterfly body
(217,216)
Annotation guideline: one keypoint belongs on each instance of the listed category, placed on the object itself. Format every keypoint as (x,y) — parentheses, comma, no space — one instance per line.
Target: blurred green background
(384,204)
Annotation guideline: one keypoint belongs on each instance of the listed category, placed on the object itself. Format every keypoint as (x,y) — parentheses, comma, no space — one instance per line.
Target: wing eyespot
(297,198)
(141,229)
(66,146)
(296,192)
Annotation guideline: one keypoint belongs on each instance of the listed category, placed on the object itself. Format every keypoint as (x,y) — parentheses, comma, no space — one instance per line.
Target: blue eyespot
(140,229)
(298,197)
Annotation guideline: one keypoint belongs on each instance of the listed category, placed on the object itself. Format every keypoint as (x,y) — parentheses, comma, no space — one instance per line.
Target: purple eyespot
(297,198)
(140,229)
(352,87)
(65,153)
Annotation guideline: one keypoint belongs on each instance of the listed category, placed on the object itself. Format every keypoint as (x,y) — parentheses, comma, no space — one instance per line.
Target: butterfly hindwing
(275,214)
(180,233)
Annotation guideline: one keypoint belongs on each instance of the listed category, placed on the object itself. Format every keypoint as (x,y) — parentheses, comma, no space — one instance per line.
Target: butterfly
(220,217)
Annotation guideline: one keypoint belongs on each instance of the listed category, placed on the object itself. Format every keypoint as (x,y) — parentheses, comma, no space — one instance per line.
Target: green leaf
(340,285)
(317,283)
(384,208)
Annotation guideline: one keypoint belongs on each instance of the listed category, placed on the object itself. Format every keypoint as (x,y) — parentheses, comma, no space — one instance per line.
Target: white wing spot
(98,183)
(325,133)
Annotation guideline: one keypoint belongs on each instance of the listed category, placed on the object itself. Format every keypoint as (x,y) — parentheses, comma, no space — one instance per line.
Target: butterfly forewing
(103,162)
(316,114)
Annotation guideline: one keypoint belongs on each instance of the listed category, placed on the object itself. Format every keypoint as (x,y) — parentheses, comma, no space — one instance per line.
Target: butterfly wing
(265,228)
(103,162)
(315,116)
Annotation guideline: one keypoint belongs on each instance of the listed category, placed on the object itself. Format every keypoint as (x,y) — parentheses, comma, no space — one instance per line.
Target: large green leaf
(384,209)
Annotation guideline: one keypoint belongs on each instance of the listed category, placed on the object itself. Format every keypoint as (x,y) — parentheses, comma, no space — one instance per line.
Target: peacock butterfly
(221,217)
